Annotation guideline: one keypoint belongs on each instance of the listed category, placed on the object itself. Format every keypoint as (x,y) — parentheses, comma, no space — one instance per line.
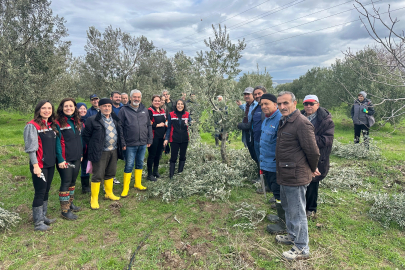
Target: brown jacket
(296,152)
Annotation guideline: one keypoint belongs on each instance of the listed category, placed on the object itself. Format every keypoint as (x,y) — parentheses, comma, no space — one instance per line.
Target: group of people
(94,139)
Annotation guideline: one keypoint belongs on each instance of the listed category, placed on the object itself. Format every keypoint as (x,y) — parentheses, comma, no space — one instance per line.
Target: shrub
(250,213)
(344,178)
(8,219)
(357,151)
(386,208)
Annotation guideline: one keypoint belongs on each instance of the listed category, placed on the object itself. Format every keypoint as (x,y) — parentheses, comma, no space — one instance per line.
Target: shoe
(69,215)
(279,227)
(260,190)
(72,207)
(85,184)
(108,186)
(311,215)
(273,218)
(254,181)
(95,189)
(181,166)
(172,167)
(127,181)
(156,172)
(151,178)
(138,180)
(295,254)
(47,221)
(285,239)
(38,216)
(64,197)
(116,182)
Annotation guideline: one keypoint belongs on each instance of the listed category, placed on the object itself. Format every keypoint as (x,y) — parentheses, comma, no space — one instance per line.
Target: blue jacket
(116,110)
(257,120)
(242,107)
(268,142)
(90,112)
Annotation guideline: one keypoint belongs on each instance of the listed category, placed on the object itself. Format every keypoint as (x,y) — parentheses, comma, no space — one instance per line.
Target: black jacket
(94,136)
(324,133)
(136,125)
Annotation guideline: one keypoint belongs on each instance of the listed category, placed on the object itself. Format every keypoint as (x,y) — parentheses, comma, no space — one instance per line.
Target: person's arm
(150,132)
(121,134)
(306,138)
(169,126)
(31,142)
(352,111)
(152,120)
(370,108)
(59,155)
(88,129)
(326,138)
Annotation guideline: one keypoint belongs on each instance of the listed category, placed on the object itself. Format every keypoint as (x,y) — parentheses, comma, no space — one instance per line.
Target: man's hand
(124,148)
(316,173)
(165,143)
(148,145)
(238,102)
(37,170)
(160,124)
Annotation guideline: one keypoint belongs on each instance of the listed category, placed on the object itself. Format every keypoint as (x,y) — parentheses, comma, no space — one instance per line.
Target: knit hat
(78,105)
(364,94)
(311,98)
(104,101)
(270,97)
(248,90)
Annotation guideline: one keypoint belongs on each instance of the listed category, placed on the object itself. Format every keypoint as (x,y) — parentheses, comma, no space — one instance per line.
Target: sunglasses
(310,103)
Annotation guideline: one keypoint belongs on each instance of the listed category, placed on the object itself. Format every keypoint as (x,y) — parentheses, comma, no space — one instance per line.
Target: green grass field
(199,233)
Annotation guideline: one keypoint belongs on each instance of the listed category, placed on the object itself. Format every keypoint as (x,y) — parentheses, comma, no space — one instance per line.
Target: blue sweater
(268,141)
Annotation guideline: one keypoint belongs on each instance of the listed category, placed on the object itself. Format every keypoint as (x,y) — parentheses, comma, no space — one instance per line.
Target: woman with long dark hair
(158,118)
(177,134)
(40,140)
(69,154)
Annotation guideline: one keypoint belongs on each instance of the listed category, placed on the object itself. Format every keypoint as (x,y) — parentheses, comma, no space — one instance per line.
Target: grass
(203,237)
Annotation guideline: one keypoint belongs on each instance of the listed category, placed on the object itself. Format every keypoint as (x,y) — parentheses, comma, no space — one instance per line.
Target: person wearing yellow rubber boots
(137,129)
(104,137)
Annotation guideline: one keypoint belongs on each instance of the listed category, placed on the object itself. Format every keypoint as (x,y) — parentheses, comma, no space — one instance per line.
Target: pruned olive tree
(218,66)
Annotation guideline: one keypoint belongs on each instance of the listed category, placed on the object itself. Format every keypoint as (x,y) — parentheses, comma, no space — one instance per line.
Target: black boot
(65,205)
(279,227)
(156,172)
(47,221)
(181,166)
(150,175)
(172,167)
(38,216)
(85,184)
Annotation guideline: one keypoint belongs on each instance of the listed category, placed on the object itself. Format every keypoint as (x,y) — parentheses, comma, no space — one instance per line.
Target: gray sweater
(31,142)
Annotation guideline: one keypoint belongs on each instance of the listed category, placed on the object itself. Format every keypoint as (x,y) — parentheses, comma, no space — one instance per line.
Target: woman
(85,177)
(163,102)
(40,142)
(69,151)
(158,118)
(177,135)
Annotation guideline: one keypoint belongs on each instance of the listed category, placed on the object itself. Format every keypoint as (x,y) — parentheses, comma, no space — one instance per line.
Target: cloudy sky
(285,37)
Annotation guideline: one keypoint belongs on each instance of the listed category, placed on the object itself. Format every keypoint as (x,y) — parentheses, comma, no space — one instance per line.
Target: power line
(320,29)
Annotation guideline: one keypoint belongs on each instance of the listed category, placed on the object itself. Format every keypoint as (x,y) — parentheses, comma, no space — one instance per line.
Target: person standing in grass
(137,130)
(177,134)
(361,110)
(40,144)
(84,177)
(69,153)
(158,119)
(324,133)
(94,99)
(297,156)
(104,138)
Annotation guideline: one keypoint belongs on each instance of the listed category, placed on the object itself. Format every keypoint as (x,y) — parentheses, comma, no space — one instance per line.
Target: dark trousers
(312,196)
(357,131)
(42,187)
(106,167)
(251,146)
(83,166)
(270,179)
(155,151)
(68,176)
(175,147)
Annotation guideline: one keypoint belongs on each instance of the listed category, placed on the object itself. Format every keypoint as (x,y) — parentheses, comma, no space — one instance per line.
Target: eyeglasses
(310,103)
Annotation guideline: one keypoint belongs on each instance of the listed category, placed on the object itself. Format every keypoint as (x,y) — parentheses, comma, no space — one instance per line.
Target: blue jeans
(294,203)
(134,155)
(257,150)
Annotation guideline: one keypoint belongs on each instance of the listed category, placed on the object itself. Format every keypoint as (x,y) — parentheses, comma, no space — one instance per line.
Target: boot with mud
(38,216)
(279,227)
(47,221)
(172,167)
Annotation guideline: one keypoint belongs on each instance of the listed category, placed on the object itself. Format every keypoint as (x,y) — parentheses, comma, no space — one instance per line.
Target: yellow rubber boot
(127,181)
(95,189)
(108,186)
(138,179)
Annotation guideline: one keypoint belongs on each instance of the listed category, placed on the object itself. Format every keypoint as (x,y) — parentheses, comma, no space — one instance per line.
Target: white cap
(311,98)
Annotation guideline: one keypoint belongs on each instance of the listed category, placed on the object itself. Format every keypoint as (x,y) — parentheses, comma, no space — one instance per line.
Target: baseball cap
(93,96)
(311,98)
(248,90)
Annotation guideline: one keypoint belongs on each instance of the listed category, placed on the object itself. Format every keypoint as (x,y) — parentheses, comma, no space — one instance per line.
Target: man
(324,132)
(248,107)
(219,98)
(94,106)
(116,99)
(296,159)
(360,112)
(138,135)
(267,155)
(168,101)
(124,99)
(105,140)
